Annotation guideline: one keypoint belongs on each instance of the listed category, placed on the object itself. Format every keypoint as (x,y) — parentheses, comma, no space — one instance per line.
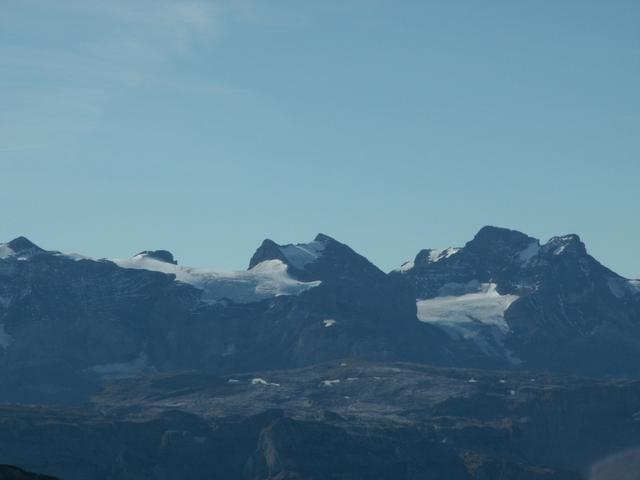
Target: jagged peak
(564,244)
(160,255)
(321,237)
(432,255)
(294,255)
(321,259)
(23,245)
(497,242)
(268,250)
(20,247)
(492,234)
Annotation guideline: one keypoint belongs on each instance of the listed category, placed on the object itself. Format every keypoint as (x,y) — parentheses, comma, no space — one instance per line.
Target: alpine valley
(506,358)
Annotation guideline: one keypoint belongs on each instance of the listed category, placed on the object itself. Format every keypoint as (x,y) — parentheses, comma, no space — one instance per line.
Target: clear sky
(203,127)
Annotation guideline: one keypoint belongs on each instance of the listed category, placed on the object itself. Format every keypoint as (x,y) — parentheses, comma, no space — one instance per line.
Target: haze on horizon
(203,127)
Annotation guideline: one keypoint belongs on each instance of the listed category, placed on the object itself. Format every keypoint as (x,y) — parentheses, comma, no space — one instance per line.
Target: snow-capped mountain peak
(428,256)
(565,244)
(301,254)
(160,255)
(266,279)
(297,255)
(435,255)
(19,247)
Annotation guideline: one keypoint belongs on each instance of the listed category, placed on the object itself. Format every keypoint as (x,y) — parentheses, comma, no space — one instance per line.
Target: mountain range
(485,334)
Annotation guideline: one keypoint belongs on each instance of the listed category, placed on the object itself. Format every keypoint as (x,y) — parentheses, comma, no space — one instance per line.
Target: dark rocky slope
(333,421)
(10,472)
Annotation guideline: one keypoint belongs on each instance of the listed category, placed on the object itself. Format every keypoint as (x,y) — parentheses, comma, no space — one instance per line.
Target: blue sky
(205,126)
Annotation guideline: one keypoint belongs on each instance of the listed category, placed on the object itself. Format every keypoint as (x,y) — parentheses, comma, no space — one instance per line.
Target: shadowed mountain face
(9,472)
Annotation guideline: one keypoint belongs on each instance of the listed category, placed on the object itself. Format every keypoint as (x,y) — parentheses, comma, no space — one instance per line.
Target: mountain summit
(20,246)
(298,257)
(160,255)
(543,305)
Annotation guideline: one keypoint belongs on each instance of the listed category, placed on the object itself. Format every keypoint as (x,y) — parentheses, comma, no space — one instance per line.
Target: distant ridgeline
(67,322)
(315,364)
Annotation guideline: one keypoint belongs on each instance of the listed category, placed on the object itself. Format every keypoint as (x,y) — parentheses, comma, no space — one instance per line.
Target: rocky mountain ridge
(550,306)
(314,363)
(68,322)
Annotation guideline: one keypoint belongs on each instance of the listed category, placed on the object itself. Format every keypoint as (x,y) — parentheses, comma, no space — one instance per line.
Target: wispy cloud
(115,38)
(68,58)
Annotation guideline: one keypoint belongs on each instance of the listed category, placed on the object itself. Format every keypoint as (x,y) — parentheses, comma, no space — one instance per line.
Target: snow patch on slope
(406,266)
(73,256)
(432,256)
(302,254)
(477,317)
(262,381)
(265,280)
(559,245)
(437,255)
(330,383)
(486,306)
(6,252)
